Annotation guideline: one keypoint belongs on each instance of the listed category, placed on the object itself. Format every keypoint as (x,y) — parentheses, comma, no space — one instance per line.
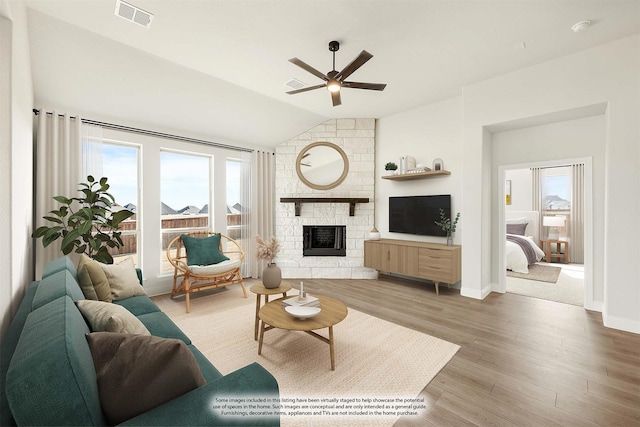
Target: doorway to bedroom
(544,227)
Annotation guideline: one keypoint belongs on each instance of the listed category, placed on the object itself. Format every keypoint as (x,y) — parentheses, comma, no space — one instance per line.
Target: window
(238,204)
(556,195)
(119,163)
(185,188)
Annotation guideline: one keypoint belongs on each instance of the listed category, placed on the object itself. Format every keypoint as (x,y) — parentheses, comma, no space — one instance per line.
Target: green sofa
(48,375)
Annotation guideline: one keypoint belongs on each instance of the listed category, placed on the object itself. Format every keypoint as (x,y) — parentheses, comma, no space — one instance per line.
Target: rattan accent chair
(188,279)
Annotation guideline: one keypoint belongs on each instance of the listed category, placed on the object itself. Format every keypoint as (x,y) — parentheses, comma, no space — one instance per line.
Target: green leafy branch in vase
(87,224)
(446,224)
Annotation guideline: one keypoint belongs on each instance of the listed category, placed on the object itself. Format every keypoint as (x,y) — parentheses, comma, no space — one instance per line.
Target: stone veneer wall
(357,138)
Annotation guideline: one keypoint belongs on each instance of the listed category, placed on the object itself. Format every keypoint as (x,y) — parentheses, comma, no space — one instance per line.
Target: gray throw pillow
(518,229)
(136,373)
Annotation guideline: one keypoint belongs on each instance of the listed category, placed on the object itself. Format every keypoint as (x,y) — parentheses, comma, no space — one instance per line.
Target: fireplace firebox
(324,240)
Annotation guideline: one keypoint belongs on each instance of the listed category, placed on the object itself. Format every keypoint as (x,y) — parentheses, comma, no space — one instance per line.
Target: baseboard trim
(623,324)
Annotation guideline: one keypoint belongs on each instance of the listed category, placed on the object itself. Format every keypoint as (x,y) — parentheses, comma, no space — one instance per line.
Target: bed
(521,245)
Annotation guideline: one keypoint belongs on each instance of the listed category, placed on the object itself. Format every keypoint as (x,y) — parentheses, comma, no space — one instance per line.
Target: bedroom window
(556,195)
(185,196)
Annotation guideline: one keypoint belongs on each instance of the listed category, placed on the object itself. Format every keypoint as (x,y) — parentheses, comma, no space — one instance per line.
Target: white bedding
(517,260)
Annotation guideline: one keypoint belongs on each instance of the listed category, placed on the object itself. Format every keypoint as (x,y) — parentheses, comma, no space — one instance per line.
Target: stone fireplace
(356,137)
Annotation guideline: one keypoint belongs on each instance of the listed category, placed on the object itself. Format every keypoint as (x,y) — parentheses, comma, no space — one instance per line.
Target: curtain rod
(153,133)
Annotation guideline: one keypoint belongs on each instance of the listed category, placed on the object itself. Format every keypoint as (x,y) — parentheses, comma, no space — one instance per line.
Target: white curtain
(246,238)
(91,151)
(262,203)
(57,173)
(576,225)
(536,202)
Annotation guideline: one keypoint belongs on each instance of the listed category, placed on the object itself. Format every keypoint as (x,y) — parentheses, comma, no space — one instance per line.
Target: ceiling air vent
(295,84)
(133,14)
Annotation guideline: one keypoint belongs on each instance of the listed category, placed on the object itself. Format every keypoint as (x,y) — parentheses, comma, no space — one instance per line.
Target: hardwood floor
(523,361)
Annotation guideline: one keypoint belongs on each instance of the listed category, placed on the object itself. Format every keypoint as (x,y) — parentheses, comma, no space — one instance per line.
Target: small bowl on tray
(302,312)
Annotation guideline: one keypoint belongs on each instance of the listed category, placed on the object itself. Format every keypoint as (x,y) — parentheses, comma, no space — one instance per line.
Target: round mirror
(322,165)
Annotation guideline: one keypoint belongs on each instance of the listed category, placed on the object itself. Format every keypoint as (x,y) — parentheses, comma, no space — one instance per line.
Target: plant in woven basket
(267,249)
(87,224)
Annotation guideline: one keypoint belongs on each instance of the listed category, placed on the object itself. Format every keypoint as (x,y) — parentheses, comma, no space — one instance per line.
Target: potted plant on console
(87,224)
(267,250)
(448,226)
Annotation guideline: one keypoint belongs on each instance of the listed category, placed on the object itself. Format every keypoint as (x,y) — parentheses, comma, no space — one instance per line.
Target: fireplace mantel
(351,201)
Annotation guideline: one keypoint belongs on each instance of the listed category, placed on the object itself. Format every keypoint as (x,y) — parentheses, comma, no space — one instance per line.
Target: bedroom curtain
(262,204)
(57,168)
(536,203)
(576,225)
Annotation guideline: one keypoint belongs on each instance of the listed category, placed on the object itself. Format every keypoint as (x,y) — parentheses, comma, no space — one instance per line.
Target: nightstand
(559,253)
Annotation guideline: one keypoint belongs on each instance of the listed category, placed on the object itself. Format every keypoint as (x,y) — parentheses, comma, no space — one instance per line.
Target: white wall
(426,133)
(16,176)
(521,194)
(608,73)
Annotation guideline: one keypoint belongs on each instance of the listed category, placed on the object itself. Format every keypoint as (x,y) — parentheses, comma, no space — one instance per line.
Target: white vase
(271,276)
(449,239)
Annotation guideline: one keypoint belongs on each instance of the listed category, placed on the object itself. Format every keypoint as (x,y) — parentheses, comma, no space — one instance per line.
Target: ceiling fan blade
(355,64)
(304,89)
(308,68)
(369,86)
(335,97)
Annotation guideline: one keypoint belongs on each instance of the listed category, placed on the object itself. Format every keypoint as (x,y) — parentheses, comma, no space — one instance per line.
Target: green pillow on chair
(203,251)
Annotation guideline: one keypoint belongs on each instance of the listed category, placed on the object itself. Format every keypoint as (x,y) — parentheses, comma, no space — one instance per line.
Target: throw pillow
(123,279)
(203,251)
(137,373)
(104,316)
(518,229)
(93,276)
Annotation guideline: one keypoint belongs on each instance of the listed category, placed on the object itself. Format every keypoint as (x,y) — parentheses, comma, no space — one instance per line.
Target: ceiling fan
(335,80)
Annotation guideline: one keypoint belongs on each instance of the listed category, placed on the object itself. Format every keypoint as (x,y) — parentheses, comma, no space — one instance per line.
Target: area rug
(540,273)
(378,363)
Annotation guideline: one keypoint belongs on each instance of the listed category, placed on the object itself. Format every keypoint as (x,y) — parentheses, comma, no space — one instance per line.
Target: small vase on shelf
(271,276)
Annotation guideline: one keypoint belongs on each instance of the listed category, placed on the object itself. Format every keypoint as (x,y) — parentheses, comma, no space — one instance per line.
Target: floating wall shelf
(300,200)
(418,175)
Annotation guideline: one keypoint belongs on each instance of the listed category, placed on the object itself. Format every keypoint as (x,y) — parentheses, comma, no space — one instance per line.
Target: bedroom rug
(375,359)
(540,273)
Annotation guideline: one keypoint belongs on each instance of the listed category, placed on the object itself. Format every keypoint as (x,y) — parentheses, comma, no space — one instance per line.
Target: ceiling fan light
(333,86)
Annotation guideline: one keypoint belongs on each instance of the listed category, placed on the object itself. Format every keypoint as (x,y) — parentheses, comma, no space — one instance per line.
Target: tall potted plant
(267,250)
(86,224)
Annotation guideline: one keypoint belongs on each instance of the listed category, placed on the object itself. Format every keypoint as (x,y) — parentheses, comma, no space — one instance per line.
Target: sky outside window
(184,180)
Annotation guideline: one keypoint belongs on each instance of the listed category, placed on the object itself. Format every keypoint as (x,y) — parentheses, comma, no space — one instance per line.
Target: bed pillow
(123,280)
(203,251)
(521,220)
(136,373)
(108,317)
(518,229)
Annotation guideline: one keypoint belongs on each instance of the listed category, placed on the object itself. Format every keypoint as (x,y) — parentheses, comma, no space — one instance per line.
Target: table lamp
(553,222)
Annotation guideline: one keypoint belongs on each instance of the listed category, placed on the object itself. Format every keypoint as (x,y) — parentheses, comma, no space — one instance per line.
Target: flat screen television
(418,214)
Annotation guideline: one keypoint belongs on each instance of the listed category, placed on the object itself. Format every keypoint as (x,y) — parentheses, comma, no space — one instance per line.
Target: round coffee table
(260,290)
(273,315)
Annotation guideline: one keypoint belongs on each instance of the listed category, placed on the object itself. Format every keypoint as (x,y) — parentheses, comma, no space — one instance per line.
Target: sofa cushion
(138,305)
(160,325)
(8,346)
(137,373)
(59,264)
(55,286)
(91,275)
(105,316)
(203,251)
(209,372)
(123,279)
(51,379)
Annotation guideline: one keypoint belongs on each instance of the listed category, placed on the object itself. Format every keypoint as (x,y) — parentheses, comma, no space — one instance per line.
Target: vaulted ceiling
(218,69)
